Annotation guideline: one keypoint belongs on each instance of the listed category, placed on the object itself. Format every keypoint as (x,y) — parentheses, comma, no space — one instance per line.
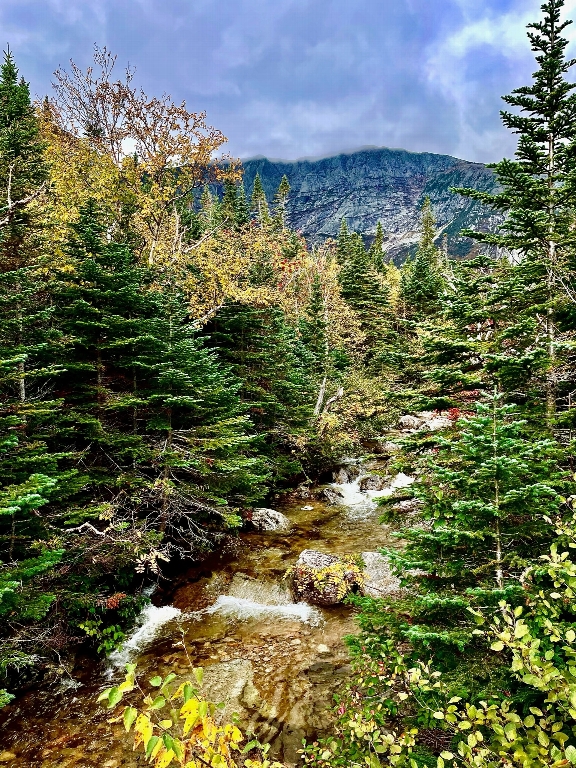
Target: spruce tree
(363,288)
(537,186)
(23,169)
(486,493)
(280,201)
(376,252)
(422,283)
(259,203)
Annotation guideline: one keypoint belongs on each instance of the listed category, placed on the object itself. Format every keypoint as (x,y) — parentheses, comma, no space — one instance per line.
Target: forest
(173,355)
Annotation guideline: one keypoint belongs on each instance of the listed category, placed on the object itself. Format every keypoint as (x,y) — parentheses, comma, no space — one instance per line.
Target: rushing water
(275,662)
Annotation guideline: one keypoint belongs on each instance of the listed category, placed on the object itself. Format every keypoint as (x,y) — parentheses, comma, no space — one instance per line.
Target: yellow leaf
(165,759)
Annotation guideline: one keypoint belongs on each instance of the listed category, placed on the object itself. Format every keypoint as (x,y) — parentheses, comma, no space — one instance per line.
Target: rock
(408,506)
(435,421)
(332,495)
(307,508)
(410,422)
(269,520)
(426,420)
(379,579)
(311,582)
(341,477)
(373,483)
(389,448)
(322,649)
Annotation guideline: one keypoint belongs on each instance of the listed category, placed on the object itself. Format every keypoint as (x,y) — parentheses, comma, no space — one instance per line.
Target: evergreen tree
(259,203)
(487,494)
(537,187)
(280,200)
(363,288)
(23,169)
(277,378)
(342,242)
(242,207)
(422,283)
(229,204)
(376,252)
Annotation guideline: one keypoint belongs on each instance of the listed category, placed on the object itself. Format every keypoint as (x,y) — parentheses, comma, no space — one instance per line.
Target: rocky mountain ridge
(379,184)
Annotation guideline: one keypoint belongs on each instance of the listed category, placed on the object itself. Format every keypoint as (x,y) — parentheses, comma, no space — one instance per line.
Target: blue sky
(294,78)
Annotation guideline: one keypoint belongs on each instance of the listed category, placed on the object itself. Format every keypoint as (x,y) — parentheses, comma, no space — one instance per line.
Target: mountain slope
(379,184)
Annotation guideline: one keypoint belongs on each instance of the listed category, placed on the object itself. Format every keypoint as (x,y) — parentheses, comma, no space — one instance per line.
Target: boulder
(332,495)
(269,520)
(408,506)
(379,581)
(429,420)
(388,448)
(373,483)
(410,422)
(434,420)
(323,579)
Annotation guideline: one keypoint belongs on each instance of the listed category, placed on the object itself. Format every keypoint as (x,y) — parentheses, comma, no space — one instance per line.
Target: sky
(303,78)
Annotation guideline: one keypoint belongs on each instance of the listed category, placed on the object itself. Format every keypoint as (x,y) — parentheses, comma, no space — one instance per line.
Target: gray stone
(269,520)
(373,483)
(410,422)
(379,579)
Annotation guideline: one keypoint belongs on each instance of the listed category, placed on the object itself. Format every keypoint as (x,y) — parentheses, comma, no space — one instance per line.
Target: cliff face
(387,185)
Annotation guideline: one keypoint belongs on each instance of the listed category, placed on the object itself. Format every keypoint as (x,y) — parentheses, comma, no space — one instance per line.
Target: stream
(274,662)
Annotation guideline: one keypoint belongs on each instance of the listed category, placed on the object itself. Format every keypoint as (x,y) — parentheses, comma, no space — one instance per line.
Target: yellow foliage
(199,737)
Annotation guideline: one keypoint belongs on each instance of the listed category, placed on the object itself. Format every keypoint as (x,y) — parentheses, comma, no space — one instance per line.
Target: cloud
(295,77)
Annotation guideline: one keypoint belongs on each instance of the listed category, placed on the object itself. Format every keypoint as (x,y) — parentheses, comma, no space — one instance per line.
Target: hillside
(378,184)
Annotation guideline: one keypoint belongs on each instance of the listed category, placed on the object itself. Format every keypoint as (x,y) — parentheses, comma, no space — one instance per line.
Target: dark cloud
(292,78)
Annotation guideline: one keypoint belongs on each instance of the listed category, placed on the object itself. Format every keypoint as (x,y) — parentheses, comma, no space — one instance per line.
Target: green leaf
(438,715)
(198,674)
(497,646)
(156,681)
(114,696)
(152,741)
(130,715)
(571,754)
(158,703)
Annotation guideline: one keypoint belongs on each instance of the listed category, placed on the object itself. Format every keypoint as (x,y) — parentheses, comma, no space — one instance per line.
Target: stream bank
(275,662)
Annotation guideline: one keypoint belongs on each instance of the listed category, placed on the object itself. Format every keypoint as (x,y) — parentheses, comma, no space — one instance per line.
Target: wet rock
(332,495)
(232,683)
(314,580)
(269,520)
(346,473)
(322,649)
(373,483)
(379,579)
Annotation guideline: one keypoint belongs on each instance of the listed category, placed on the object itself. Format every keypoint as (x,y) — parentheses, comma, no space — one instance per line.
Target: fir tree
(537,187)
(376,252)
(363,288)
(342,243)
(280,201)
(23,169)
(486,494)
(259,203)
(242,207)
(422,283)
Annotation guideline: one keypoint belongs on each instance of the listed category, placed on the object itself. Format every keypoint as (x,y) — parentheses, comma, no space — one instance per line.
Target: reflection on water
(275,662)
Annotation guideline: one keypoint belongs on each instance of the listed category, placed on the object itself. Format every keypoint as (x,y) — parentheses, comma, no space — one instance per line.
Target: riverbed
(274,662)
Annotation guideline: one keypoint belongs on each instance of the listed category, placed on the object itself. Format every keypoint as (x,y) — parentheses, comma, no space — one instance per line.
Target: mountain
(379,184)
